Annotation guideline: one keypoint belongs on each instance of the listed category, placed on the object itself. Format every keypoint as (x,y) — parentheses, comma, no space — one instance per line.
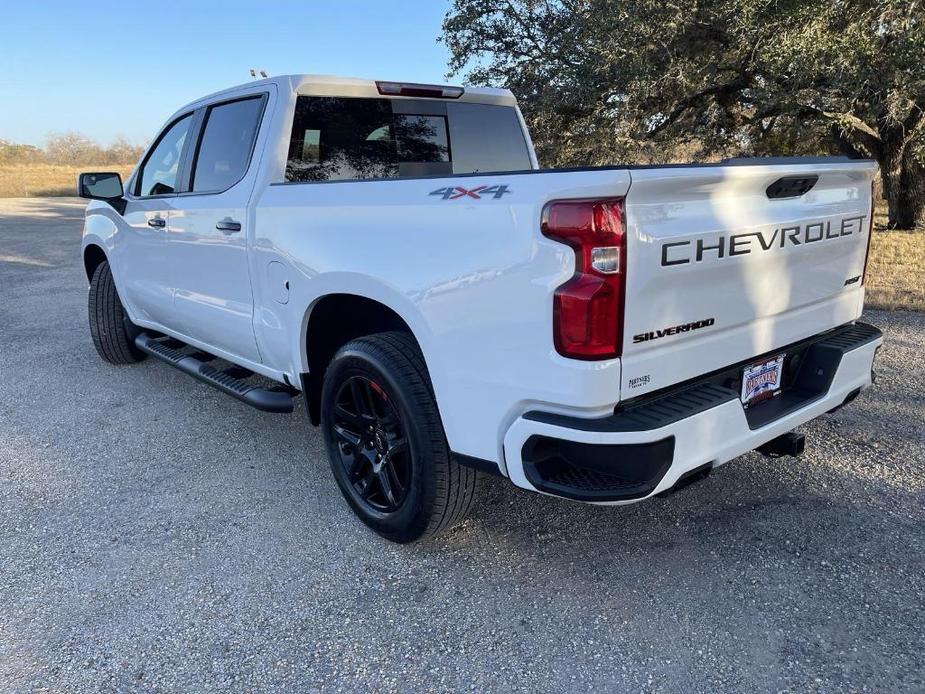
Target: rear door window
(226,144)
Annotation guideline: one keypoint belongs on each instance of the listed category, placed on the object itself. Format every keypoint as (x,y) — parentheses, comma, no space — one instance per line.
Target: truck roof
(332,85)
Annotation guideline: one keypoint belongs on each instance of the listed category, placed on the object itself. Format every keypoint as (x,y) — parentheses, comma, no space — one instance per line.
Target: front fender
(100,230)
(99,226)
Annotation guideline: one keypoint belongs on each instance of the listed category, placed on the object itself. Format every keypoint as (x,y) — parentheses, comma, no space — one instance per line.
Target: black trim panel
(596,472)
(649,415)
(487,466)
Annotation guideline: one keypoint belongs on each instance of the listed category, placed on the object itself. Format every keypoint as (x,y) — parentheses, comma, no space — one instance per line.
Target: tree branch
(680,107)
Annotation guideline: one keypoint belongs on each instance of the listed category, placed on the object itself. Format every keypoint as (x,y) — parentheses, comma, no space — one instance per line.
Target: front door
(213,299)
(145,272)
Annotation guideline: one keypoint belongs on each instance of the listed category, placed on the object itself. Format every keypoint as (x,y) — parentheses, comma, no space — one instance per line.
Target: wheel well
(93,256)
(335,320)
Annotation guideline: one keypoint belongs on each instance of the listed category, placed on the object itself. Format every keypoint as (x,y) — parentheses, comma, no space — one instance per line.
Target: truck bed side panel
(470,274)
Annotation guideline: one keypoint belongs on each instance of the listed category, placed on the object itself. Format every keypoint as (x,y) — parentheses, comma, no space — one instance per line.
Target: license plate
(761,381)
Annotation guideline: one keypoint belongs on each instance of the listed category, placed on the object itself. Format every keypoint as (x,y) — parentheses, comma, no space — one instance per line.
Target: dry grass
(41,180)
(896,270)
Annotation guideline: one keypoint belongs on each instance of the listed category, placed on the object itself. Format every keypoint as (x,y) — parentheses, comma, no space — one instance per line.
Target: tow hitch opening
(790,443)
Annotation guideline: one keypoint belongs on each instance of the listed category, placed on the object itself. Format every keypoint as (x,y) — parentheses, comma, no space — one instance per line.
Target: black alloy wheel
(373,447)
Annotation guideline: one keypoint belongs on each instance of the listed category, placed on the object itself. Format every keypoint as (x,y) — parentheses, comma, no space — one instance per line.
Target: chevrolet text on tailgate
(393,253)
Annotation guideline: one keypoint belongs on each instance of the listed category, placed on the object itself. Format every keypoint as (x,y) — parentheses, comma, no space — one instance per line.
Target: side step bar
(265,399)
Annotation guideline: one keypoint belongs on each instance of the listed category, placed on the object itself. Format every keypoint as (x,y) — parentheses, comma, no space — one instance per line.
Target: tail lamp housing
(588,308)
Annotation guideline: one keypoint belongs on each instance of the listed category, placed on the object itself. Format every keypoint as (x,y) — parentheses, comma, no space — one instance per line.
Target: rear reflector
(588,309)
(433,91)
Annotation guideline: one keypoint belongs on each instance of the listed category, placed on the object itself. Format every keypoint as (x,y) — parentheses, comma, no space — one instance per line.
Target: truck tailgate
(728,262)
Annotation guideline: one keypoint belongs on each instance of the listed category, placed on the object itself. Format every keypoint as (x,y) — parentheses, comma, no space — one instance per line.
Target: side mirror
(102,186)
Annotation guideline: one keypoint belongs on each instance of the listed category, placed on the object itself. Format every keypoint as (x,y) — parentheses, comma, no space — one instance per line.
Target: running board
(266,399)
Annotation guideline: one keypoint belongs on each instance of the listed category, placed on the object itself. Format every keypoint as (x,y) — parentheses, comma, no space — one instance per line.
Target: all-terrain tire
(113,334)
(440,491)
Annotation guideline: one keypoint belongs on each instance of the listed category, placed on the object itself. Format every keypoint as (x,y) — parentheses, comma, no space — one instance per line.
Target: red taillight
(434,91)
(588,309)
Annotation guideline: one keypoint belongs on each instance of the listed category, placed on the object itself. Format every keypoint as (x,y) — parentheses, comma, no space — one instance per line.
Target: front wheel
(112,332)
(385,440)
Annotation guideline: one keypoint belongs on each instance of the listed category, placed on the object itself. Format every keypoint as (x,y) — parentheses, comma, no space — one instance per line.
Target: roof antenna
(263,73)
(253,74)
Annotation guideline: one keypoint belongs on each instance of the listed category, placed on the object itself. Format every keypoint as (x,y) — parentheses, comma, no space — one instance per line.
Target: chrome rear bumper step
(230,381)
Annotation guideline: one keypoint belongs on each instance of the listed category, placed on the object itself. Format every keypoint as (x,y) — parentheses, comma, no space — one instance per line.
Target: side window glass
(227,144)
(158,175)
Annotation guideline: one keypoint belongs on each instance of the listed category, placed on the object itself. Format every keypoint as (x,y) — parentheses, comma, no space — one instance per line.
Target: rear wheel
(385,440)
(113,334)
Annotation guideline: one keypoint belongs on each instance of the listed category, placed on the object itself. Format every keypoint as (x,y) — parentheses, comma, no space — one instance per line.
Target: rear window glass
(487,138)
(336,138)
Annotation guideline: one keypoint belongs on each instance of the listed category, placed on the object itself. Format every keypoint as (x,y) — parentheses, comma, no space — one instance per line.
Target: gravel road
(157,535)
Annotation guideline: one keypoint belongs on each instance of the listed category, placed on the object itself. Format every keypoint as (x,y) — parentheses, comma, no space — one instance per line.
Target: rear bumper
(648,446)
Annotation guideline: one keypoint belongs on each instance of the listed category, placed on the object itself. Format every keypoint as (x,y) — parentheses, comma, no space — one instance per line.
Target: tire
(429,491)
(112,332)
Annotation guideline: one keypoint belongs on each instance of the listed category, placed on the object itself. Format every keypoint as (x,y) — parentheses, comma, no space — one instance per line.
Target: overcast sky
(107,69)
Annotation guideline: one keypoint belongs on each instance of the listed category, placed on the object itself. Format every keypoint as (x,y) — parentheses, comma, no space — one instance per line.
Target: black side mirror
(105,186)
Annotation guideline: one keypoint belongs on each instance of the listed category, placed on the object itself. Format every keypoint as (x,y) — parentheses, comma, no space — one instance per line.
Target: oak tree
(607,80)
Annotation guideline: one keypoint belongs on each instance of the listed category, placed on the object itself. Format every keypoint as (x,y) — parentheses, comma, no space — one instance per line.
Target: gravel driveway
(158,535)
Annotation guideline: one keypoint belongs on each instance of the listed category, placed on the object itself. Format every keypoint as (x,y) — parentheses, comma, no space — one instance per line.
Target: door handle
(157,222)
(228,226)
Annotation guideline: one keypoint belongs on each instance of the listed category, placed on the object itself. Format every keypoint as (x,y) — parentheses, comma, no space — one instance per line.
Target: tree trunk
(903,181)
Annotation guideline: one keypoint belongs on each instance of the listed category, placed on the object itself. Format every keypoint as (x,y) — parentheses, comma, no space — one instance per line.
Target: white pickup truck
(393,253)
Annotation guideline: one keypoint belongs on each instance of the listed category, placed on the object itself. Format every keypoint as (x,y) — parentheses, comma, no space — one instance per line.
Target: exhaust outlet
(791,443)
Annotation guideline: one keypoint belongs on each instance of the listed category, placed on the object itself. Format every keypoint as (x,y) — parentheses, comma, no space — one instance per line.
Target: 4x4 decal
(457,192)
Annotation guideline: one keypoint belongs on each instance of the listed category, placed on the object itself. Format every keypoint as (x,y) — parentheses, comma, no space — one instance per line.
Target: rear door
(213,298)
(725,263)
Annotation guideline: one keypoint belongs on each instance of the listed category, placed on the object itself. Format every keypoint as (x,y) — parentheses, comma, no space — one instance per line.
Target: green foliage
(639,80)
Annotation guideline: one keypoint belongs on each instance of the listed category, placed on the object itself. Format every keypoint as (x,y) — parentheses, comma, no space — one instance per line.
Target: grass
(895,272)
(896,267)
(41,180)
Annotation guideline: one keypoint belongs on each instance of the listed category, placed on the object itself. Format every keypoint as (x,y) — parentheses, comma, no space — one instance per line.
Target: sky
(108,69)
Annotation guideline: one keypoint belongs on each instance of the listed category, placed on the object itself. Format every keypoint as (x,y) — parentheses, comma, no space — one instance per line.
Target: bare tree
(74,149)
